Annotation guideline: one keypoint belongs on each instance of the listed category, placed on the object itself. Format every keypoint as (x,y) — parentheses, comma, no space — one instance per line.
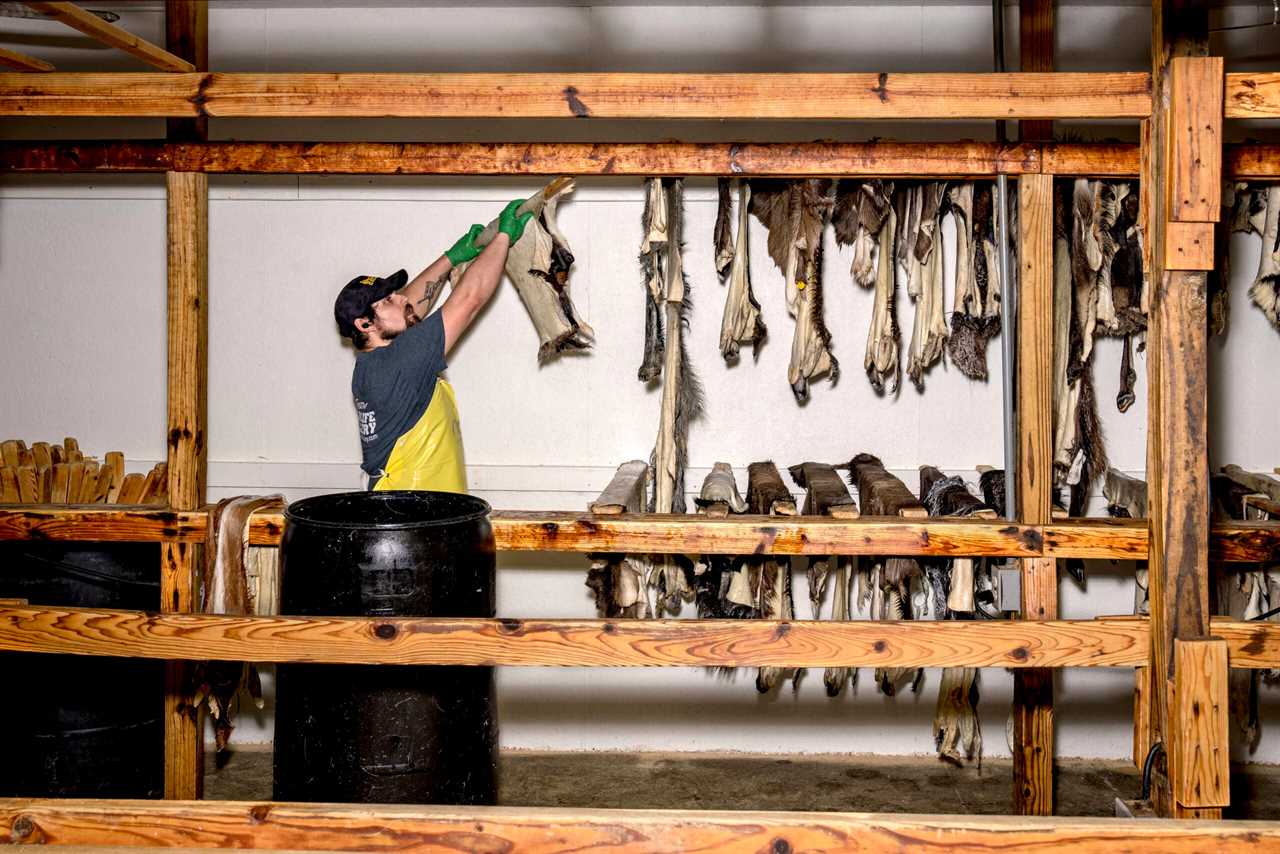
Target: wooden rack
(1181,657)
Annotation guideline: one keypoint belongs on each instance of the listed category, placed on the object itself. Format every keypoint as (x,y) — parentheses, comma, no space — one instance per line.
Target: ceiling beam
(109,34)
(22,62)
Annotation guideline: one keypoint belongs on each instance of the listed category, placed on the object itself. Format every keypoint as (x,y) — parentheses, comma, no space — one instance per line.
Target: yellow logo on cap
(368,280)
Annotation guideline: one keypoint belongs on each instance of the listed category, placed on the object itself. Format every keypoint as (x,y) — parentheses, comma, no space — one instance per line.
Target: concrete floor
(910,784)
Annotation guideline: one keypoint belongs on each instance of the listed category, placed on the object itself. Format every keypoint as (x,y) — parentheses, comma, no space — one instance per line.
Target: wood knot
(880,646)
(22,828)
(259,813)
(780,846)
(576,106)
(610,629)
(508,626)
(386,631)
(1020,654)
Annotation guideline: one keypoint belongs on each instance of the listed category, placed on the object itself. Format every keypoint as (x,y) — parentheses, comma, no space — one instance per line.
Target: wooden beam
(1252,96)
(1035,41)
(1195,168)
(22,62)
(187,380)
(386,827)
(1201,760)
(186,36)
(109,34)
(889,159)
(1177,457)
(576,643)
(1033,689)
(567,531)
(582,95)
(951,159)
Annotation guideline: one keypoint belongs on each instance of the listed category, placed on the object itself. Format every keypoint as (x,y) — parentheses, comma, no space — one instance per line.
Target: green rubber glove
(511,224)
(465,249)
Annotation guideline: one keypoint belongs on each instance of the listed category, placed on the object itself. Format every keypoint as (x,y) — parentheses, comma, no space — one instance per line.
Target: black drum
(74,725)
(387,734)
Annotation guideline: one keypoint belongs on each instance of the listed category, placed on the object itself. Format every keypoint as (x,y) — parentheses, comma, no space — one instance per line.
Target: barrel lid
(389,510)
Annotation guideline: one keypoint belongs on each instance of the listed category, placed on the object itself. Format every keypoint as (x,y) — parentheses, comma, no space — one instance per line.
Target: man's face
(392,315)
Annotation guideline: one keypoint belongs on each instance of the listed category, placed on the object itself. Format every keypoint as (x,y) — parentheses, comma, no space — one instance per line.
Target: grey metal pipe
(1008,354)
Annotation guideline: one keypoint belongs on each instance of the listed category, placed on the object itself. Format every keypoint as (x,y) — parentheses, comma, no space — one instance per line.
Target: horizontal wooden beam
(890,159)
(571,531)
(386,827)
(574,643)
(583,95)
(22,62)
(111,35)
(1253,96)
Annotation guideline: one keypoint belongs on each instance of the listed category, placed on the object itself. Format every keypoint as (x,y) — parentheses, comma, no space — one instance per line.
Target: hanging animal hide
(925,283)
(1127,499)
(653,249)
(975,314)
(882,494)
(1265,290)
(225,589)
(767,495)
(538,265)
(722,236)
(796,214)
(724,585)
(618,584)
(825,494)
(741,322)
(865,218)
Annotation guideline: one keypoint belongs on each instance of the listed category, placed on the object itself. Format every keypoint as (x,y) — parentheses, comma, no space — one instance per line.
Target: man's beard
(410,319)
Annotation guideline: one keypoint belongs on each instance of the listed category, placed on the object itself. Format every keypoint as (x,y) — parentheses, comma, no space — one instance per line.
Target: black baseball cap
(361,292)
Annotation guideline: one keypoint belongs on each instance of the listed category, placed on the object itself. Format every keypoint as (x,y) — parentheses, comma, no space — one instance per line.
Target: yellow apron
(429,455)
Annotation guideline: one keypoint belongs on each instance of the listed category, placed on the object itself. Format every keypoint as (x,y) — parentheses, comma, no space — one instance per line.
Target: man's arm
(425,287)
(475,288)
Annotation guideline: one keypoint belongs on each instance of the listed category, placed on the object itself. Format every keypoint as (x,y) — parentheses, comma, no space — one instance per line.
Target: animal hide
(825,494)
(767,495)
(957,732)
(225,589)
(975,314)
(618,585)
(865,218)
(1265,290)
(538,265)
(741,321)
(796,214)
(1127,499)
(720,489)
(925,283)
(652,254)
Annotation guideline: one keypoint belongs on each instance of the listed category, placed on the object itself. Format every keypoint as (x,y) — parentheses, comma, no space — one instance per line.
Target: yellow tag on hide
(799,286)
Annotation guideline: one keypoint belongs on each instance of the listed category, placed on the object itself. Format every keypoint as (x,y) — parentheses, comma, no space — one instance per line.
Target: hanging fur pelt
(975,309)
(864,218)
(741,322)
(767,495)
(681,396)
(924,280)
(796,214)
(1265,290)
(653,248)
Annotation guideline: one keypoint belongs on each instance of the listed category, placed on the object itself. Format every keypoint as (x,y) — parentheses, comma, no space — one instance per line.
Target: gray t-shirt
(393,386)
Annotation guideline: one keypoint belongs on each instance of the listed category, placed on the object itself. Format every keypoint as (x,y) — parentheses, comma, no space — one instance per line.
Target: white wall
(82,320)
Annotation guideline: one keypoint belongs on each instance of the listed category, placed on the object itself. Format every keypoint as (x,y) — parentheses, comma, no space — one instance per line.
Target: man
(409,431)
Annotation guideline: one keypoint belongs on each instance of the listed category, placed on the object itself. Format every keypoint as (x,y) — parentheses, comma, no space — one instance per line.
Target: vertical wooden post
(1035,39)
(186,35)
(1033,689)
(1180,185)
(1200,770)
(188,231)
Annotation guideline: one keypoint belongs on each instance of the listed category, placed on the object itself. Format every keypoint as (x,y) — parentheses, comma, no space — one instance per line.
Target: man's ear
(363,324)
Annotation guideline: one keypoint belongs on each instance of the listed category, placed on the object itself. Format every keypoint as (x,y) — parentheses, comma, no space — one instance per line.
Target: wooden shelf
(568,531)
(666,97)
(188,825)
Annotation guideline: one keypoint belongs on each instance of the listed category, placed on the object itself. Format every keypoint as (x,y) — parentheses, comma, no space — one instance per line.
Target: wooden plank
(1033,690)
(9,493)
(90,483)
(1195,176)
(1201,763)
(9,452)
(22,62)
(621,95)
(575,643)
(42,454)
(183,726)
(75,482)
(1235,542)
(1035,53)
(106,480)
(188,354)
(1141,715)
(625,492)
(1252,96)
(44,483)
(1093,160)
(1188,245)
(186,36)
(61,481)
(28,485)
(541,830)
(948,159)
(1256,162)
(1177,459)
(131,489)
(109,34)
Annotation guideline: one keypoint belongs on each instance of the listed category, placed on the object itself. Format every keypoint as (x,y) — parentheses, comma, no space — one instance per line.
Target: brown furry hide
(865,218)
(767,495)
(796,213)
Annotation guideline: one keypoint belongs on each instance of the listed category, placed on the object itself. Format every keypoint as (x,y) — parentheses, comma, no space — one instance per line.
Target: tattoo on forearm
(433,291)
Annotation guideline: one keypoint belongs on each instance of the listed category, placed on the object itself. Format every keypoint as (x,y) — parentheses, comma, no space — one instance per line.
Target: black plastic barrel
(388,733)
(75,725)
